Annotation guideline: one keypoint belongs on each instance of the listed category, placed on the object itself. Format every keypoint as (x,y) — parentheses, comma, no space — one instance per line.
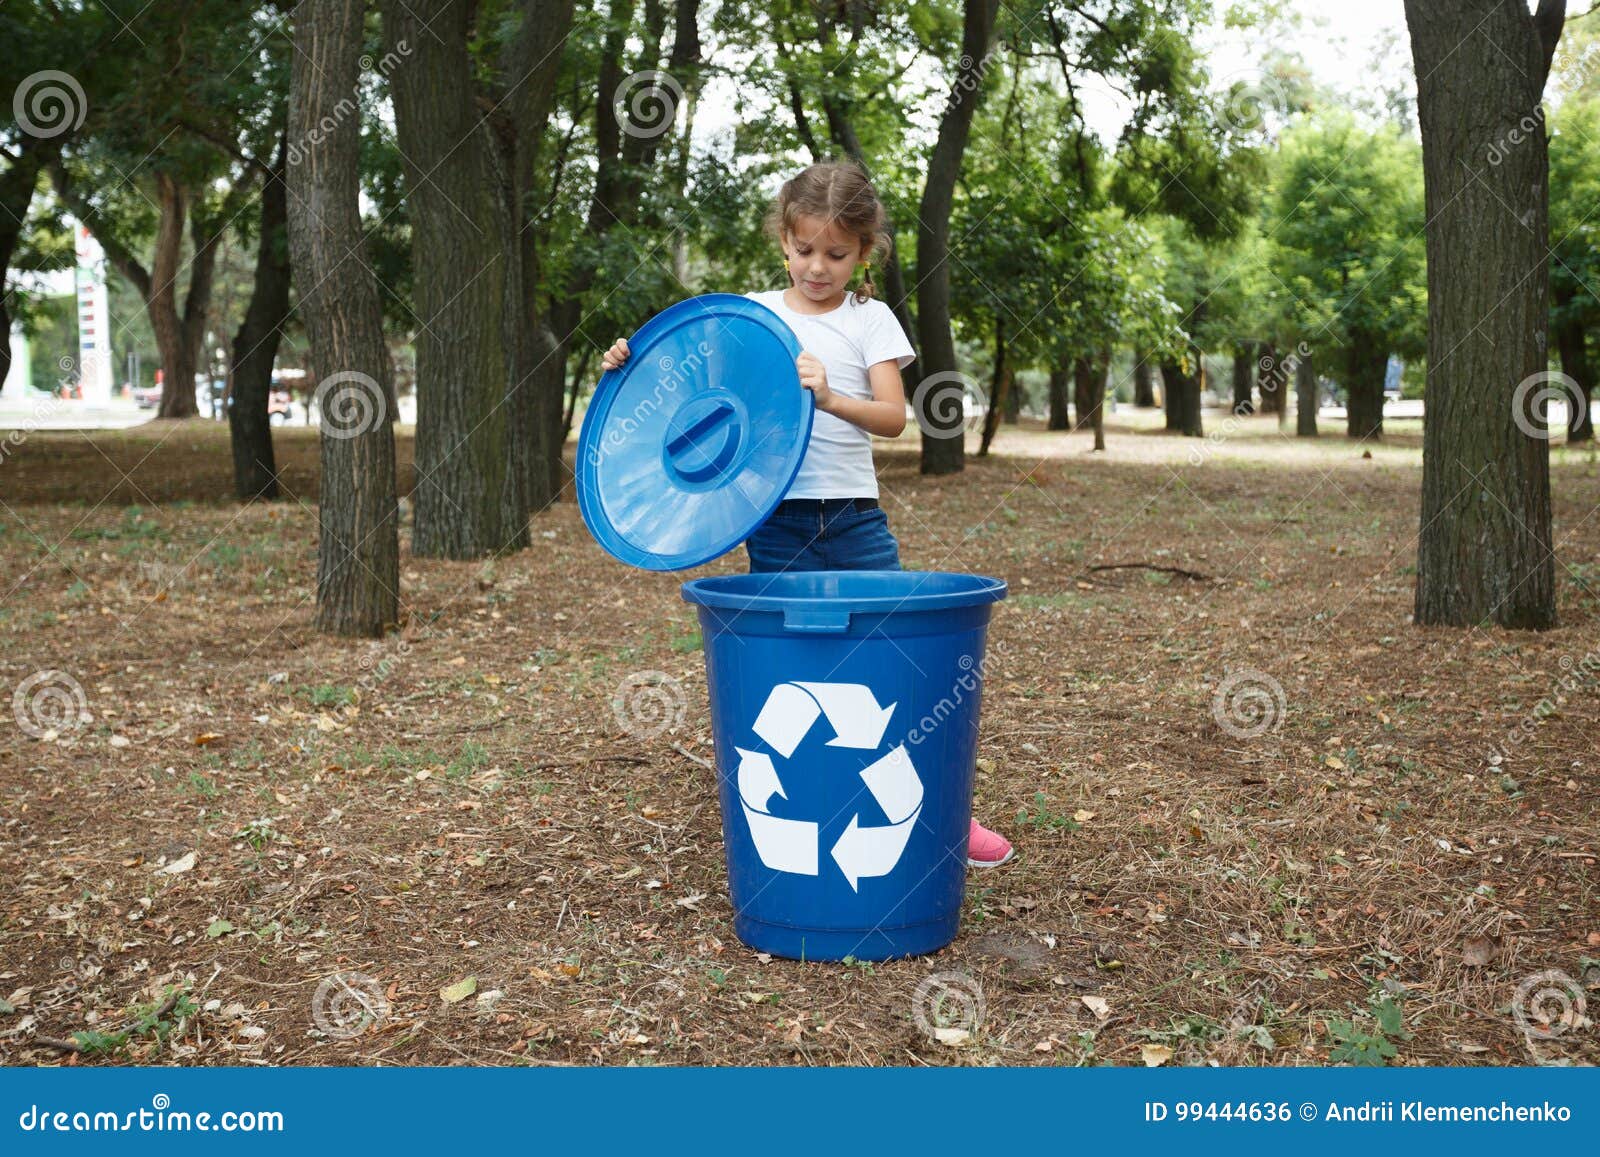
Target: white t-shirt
(848,340)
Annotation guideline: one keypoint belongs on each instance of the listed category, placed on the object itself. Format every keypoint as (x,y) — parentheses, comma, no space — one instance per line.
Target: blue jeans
(829,534)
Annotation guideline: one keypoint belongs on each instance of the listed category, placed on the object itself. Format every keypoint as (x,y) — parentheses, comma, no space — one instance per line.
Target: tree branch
(119,254)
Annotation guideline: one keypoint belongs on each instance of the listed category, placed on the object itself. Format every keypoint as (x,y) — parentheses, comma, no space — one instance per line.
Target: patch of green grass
(330,695)
(469,759)
(1367,1037)
(1041,815)
(683,644)
(201,785)
(152,1020)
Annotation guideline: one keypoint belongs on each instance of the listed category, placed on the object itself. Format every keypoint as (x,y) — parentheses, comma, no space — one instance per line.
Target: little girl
(828,220)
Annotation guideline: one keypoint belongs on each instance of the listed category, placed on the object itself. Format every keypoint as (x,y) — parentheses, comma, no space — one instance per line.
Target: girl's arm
(884,416)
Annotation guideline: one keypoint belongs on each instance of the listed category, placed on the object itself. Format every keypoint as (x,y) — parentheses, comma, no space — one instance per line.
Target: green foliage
(1352,1041)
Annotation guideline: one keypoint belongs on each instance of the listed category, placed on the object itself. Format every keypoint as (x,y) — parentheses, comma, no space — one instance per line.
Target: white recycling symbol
(786,845)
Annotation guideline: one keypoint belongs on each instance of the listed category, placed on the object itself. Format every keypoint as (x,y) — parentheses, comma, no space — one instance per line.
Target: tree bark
(470,499)
(1306,401)
(1570,339)
(1484,552)
(1144,391)
(1099,368)
(358,559)
(947,455)
(255,345)
(1060,379)
(1244,363)
(1365,362)
(1172,394)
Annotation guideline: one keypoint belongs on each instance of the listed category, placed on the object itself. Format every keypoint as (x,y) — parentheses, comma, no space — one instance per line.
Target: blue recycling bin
(844,703)
(844,709)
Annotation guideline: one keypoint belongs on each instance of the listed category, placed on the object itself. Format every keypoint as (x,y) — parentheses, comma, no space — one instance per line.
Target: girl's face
(822,258)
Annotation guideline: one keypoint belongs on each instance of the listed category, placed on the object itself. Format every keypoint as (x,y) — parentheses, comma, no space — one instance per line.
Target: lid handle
(706,446)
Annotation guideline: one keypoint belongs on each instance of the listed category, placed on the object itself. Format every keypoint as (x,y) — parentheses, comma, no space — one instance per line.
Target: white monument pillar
(94,321)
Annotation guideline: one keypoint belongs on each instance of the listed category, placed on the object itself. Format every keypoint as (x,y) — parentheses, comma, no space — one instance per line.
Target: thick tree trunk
(1172,394)
(358,557)
(1144,391)
(1273,382)
(1244,364)
(1305,399)
(1484,552)
(1013,412)
(1082,393)
(470,499)
(1365,362)
(17,186)
(1193,386)
(255,345)
(1575,364)
(946,454)
(1060,379)
(172,335)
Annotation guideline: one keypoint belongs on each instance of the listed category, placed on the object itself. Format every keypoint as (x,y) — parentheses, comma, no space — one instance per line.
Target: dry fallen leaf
(177,866)
(206,737)
(691,902)
(954,1037)
(1082,816)
(1096,1005)
(1477,951)
(1155,1055)
(459,991)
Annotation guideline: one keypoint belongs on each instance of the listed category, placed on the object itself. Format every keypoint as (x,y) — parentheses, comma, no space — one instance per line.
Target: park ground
(246,808)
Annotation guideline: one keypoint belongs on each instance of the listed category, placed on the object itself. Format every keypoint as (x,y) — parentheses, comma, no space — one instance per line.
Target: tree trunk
(161,302)
(1172,394)
(255,345)
(1365,363)
(1144,391)
(1193,386)
(1097,396)
(1484,552)
(1575,364)
(358,559)
(17,186)
(946,454)
(1305,400)
(1013,413)
(999,389)
(1060,377)
(470,499)
(1243,365)
(1273,382)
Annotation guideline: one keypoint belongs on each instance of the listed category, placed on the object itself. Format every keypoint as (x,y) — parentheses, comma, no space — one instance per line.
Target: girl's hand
(614,357)
(814,377)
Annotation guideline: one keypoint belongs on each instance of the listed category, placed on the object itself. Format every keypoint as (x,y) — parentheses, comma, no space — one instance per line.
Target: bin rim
(709,592)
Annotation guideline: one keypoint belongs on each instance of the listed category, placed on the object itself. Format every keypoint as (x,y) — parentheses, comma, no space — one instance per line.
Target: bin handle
(814,621)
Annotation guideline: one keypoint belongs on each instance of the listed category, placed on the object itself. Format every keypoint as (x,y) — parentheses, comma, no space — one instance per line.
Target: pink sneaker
(986,849)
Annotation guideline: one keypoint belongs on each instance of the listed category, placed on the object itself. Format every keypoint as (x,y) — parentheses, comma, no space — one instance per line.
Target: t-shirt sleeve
(884,339)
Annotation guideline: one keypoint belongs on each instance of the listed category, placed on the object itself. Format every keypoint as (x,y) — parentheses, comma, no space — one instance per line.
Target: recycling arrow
(875,851)
(783,845)
(851,708)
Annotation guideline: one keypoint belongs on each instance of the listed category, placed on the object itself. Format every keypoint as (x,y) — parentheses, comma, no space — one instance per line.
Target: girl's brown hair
(838,192)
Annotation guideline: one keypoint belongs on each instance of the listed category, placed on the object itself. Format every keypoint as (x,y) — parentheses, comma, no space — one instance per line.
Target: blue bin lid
(690,446)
